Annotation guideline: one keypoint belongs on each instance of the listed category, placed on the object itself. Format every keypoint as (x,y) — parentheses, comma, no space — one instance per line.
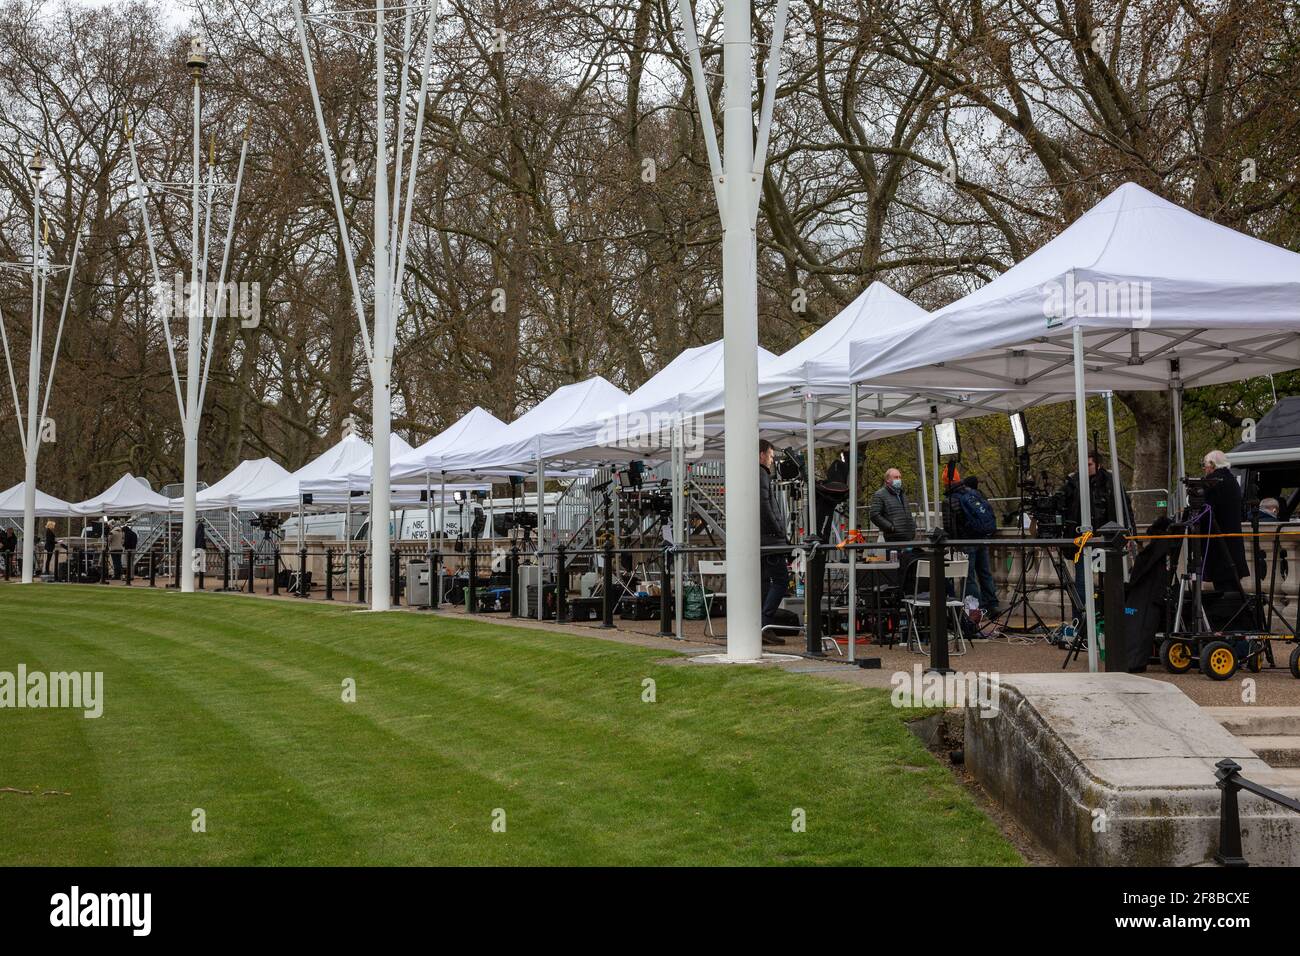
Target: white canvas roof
(11,503)
(283,495)
(475,427)
(352,474)
(1148,281)
(519,444)
(128,495)
(246,478)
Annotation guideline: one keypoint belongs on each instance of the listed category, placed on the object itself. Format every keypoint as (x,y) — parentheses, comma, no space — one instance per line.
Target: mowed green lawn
(234,705)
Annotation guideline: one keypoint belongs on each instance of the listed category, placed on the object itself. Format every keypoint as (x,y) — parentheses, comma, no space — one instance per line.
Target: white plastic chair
(954,571)
(711,569)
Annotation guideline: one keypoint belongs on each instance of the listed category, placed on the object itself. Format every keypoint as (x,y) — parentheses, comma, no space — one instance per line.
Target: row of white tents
(1137,294)
(1165,300)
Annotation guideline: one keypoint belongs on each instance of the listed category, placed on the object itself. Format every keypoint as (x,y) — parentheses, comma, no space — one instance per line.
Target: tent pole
(1116,486)
(920,468)
(442,528)
(541,525)
(679,505)
(853,520)
(1180,453)
(934,461)
(1085,498)
(810,468)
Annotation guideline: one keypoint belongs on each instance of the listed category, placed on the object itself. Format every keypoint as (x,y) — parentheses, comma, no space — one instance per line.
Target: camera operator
(771,528)
(1101,494)
(1225,558)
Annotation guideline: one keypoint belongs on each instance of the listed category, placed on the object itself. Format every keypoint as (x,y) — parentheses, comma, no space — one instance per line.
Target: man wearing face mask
(890,511)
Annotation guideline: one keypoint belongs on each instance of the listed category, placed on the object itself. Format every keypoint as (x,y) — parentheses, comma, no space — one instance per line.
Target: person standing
(975,519)
(1225,558)
(115,541)
(889,510)
(1101,495)
(51,542)
(774,565)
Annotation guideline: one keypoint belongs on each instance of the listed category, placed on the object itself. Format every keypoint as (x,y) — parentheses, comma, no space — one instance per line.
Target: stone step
(1276,750)
(1257,721)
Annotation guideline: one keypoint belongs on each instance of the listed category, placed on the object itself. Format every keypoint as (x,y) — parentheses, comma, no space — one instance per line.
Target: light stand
(197,369)
(34,432)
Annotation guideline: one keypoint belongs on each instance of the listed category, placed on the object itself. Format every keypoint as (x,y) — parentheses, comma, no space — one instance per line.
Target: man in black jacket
(1225,558)
(890,511)
(1101,495)
(771,528)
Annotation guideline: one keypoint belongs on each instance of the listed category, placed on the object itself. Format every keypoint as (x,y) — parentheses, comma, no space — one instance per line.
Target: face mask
(897,484)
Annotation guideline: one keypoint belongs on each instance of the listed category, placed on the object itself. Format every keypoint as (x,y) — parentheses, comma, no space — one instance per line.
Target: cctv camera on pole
(391,230)
(38,428)
(190,405)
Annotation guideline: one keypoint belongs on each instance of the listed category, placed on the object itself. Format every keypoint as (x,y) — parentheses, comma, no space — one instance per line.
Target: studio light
(1019,432)
(945,433)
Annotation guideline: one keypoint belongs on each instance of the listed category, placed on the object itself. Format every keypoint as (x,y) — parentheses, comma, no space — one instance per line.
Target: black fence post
(513,562)
(812,611)
(130,561)
(938,604)
(561,587)
(1229,852)
(435,579)
(153,569)
(103,566)
(225,569)
(329,574)
(275,570)
(607,586)
(251,556)
(433,573)
(1112,593)
(396,562)
(176,569)
(302,572)
(203,566)
(665,582)
(361,576)
(471,586)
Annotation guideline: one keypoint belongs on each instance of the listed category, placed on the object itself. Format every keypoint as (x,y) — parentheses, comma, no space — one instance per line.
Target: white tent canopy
(529,437)
(285,494)
(336,485)
(1149,282)
(11,503)
(246,478)
(475,427)
(128,495)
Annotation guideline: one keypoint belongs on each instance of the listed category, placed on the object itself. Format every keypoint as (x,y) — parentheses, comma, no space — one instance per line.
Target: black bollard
(435,580)
(130,560)
(938,605)
(250,570)
(607,587)
(329,574)
(275,571)
(812,611)
(561,588)
(225,569)
(1112,593)
(1229,853)
(396,575)
(302,572)
(153,570)
(471,588)
(361,576)
(103,567)
(514,580)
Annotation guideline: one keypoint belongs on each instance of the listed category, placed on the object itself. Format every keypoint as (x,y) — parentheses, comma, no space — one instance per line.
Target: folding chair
(954,571)
(712,569)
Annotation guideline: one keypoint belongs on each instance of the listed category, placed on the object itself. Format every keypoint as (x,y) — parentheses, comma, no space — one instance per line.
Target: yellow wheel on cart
(1295,662)
(1218,661)
(1176,655)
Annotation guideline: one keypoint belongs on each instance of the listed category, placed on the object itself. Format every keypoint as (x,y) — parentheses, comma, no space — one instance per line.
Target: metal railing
(1230,783)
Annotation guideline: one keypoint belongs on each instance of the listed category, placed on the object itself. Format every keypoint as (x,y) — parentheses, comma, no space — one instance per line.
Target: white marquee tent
(128,495)
(11,503)
(246,478)
(285,494)
(1137,294)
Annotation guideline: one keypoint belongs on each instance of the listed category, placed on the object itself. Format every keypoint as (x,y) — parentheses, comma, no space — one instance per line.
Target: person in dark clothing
(889,510)
(8,545)
(1225,558)
(774,565)
(1101,495)
(973,517)
(51,542)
